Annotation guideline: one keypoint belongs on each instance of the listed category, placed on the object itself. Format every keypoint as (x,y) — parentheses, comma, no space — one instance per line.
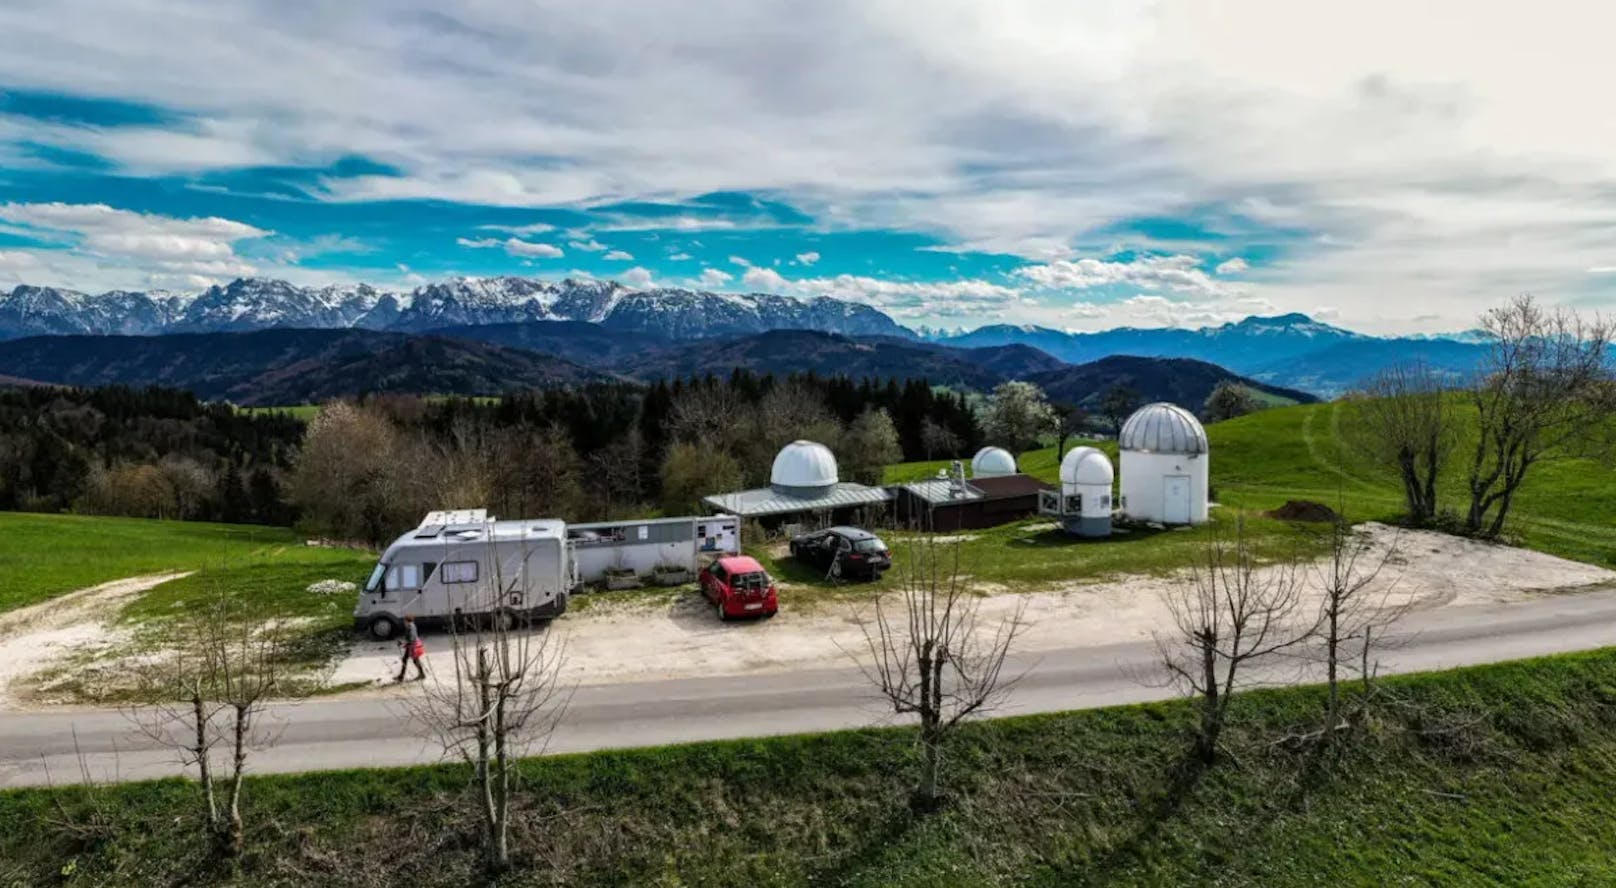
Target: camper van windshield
(375,577)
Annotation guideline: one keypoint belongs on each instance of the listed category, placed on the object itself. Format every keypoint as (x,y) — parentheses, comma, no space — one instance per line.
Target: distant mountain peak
(246,304)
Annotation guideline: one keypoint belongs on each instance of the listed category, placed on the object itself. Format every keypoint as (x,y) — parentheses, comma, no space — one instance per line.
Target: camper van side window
(460,571)
(404,576)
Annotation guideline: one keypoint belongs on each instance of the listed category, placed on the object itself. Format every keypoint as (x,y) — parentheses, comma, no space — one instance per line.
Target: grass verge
(1496,775)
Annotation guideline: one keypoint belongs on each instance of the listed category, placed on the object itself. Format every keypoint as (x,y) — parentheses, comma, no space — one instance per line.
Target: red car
(739,587)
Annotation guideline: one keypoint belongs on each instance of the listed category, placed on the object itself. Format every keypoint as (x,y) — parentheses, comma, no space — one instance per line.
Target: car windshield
(873,544)
(375,577)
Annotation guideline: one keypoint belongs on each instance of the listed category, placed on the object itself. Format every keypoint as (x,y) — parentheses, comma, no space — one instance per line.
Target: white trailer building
(1165,466)
(645,545)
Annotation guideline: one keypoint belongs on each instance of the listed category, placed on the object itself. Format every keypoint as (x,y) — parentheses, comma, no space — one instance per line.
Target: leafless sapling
(1227,614)
(1356,603)
(501,701)
(214,691)
(931,657)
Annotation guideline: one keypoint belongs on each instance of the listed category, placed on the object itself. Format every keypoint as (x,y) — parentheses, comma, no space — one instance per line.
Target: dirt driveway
(628,642)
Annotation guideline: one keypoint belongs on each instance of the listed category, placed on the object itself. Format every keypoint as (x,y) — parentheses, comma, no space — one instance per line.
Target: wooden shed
(946,504)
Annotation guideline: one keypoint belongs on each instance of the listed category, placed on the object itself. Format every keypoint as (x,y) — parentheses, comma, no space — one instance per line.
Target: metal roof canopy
(768,501)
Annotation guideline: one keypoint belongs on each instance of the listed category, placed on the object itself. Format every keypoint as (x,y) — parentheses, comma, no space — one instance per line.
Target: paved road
(36,748)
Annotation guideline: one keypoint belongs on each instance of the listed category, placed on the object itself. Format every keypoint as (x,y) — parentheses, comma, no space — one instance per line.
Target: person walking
(414,650)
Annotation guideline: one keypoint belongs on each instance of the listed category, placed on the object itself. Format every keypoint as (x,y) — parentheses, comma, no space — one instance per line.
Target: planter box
(623,581)
(672,577)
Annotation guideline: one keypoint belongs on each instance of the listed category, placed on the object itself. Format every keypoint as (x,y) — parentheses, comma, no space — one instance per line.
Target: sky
(1386,166)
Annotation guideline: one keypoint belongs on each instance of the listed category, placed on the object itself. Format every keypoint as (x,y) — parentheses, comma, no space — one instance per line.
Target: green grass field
(47,555)
(1492,776)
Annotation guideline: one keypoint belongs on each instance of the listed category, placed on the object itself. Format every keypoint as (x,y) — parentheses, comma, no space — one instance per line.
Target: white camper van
(463,563)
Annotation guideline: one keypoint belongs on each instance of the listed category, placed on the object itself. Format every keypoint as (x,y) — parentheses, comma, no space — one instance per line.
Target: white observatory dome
(1086,465)
(991,462)
(1163,428)
(804,465)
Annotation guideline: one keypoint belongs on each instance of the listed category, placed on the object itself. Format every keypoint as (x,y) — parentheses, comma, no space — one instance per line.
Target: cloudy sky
(1389,166)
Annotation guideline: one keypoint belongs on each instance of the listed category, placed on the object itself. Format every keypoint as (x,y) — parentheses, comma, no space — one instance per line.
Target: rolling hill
(1181,381)
(289,366)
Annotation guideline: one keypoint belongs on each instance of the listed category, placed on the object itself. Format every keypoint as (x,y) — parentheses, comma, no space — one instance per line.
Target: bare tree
(931,657)
(1355,606)
(1544,391)
(938,440)
(1117,404)
(1405,421)
(502,701)
(616,470)
(214,692)
(1227,614)
(1072,422)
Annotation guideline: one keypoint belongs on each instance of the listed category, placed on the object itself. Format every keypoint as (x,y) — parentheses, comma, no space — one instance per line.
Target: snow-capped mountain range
(257,304)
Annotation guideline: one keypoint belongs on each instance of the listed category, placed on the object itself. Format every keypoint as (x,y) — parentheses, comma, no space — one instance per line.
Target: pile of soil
(1304,510)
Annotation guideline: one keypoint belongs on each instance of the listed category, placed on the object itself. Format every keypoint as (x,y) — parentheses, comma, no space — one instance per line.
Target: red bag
(417,649)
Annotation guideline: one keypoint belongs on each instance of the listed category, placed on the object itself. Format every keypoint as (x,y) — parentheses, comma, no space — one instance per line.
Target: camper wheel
(504,620)
(383,627)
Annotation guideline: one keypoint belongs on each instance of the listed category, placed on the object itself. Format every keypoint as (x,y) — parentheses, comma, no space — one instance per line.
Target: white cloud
(637,277)
(513,246)
(807,258)
(202,246)
(588,246)
(742,261)
(520,230)
(680,257)
(1178,273)
(766,279)
(712,278)
(517,247)
(1231,266)
(966,299)
(619,256)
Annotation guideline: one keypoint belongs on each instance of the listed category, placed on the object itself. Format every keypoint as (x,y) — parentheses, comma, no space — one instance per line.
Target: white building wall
(1144,481)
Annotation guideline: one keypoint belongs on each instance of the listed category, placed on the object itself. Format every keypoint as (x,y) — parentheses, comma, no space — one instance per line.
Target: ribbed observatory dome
(990,462)
(1086,465)
(803,464)
(1163,428)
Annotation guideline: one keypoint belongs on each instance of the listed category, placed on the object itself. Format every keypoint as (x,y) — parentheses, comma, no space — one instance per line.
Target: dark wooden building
(947,504)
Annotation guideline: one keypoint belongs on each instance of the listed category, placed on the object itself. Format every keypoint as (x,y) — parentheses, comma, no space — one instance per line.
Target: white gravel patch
(36,638)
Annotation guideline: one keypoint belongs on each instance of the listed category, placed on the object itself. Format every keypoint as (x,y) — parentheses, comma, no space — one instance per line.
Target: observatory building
(1085,492)
(1165,460)
(993,462)
(803,485)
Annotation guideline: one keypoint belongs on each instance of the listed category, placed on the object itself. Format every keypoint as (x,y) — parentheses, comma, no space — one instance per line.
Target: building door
(1176,499)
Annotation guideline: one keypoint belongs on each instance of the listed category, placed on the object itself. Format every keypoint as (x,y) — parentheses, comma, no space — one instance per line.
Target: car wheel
(718,608)
(383,627)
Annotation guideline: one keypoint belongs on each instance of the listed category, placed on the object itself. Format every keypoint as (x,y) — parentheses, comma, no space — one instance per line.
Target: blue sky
(1071,165)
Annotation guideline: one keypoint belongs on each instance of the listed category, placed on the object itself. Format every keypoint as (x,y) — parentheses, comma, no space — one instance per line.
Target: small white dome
(1163,428)
(991,462)
(803,464)
(1086,465)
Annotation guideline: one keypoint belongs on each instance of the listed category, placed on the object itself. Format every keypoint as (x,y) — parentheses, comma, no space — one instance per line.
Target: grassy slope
(1519,796)
(1300,452)
(46,555)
